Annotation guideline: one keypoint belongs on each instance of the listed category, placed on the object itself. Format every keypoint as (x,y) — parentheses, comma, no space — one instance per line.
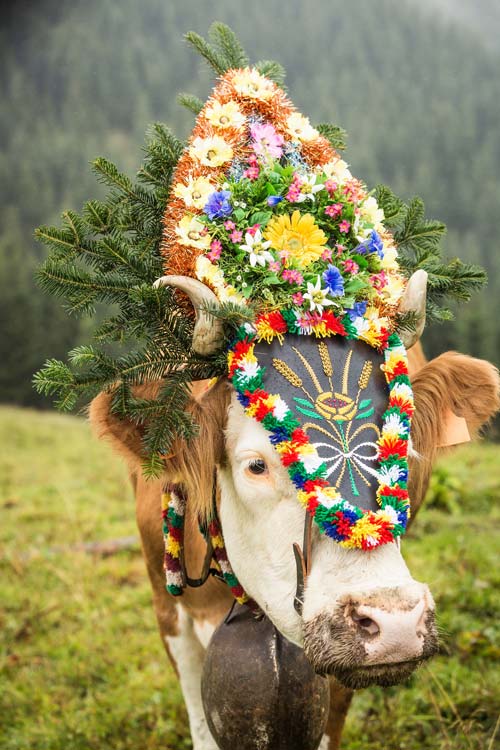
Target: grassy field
(81,664)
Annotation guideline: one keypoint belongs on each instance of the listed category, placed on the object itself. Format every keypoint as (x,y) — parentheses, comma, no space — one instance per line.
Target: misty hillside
(417,92)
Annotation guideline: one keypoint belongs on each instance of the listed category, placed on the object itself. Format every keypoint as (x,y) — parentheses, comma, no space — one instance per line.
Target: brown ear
(122,435)
(456,383)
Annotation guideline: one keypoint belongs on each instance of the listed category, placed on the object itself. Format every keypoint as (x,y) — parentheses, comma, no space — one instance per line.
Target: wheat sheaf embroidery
(338,416)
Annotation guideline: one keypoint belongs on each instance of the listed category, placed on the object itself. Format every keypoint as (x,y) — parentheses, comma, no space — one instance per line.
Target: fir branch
(193,103)
(207,51)
(273,70)
(335,135)
(392,206)
(228,45)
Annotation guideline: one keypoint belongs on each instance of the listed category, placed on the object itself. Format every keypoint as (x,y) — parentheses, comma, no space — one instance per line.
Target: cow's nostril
(365,625)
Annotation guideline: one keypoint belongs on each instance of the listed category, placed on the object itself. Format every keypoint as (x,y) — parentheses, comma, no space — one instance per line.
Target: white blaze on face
(262,518)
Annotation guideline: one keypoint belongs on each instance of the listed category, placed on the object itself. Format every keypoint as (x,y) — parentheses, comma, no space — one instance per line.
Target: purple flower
(357,310)
(334,281)
(218,205)
(273,200)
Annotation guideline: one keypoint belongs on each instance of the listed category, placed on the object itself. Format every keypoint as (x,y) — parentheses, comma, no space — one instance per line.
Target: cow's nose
(393,635)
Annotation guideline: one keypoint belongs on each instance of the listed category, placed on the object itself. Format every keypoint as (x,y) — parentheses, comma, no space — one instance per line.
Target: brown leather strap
(303,563)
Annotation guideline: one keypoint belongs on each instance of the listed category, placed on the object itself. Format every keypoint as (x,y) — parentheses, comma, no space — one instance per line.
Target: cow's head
(364,618)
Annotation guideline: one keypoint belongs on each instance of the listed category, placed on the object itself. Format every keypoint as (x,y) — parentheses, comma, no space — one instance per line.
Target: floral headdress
(265,211)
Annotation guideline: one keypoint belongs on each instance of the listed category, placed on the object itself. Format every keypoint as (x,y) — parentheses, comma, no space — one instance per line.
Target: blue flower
(357,310)
(375,244)
(218,205)
(334,281)
(273,200)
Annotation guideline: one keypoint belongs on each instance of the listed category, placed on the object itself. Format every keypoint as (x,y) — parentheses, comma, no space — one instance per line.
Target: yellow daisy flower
(298,236)
(300,128)
(190,232)
(249,82)
(226,115)
(195,194)
(212,152)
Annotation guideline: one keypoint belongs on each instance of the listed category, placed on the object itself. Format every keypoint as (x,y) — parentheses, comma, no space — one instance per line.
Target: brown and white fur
(364,619)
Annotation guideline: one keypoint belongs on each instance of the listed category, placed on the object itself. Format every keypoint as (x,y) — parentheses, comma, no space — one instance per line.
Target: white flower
(337,170)
(257,249)
(360,324)
(326,501)
(371,212)
(226,115)
(300,128)
(309,188)
(196,192)
(211,152)
(395,425)
(249,82)
(317,296)
(192,233)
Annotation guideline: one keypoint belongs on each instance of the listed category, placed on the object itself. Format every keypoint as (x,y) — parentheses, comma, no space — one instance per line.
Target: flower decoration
(211,152)
(265,212)
(223,116)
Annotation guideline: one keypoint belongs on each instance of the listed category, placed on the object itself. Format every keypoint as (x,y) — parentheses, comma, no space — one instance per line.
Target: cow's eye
(257,466)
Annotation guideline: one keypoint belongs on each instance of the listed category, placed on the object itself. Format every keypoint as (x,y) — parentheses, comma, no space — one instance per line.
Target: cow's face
(365,619)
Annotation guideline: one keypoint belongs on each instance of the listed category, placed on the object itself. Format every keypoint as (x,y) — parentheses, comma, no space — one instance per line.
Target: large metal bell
(259,691)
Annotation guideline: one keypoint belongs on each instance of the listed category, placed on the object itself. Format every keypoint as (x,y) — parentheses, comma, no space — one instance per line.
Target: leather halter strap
(303,563)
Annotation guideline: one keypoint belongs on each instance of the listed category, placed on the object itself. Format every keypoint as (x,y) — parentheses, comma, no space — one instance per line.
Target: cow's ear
(456,383)
(124,436)
(451,386)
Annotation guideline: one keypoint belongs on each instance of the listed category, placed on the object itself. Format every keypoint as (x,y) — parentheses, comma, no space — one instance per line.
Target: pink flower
(252,173)
(339,248)
(215,250)
(331,186)
(326,254)
(335,209)
(284,254)
(353,190)
(298,298)
(236,236)
(344,226)
(267,142)
(294,189)
(252,230)
(378,280)
(292,276)
(274,266)
(229,225)
(350,266)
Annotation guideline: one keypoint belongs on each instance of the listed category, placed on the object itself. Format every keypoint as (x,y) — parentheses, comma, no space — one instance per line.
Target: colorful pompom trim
(337,518)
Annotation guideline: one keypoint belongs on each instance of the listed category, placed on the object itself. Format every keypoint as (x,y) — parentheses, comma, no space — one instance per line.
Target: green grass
(81,664)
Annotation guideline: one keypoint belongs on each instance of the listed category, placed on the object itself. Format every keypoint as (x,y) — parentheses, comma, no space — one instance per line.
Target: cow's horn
(414,301)
(208,330)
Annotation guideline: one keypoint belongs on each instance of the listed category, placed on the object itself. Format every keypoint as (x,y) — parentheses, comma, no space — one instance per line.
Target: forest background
(415,84)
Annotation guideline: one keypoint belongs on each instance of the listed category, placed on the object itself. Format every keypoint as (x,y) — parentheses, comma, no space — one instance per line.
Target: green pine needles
(108,257)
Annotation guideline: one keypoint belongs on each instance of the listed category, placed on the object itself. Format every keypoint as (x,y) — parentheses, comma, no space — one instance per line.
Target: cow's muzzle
(374,639)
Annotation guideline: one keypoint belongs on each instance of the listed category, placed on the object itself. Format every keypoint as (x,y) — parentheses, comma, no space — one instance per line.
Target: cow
(364,619)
